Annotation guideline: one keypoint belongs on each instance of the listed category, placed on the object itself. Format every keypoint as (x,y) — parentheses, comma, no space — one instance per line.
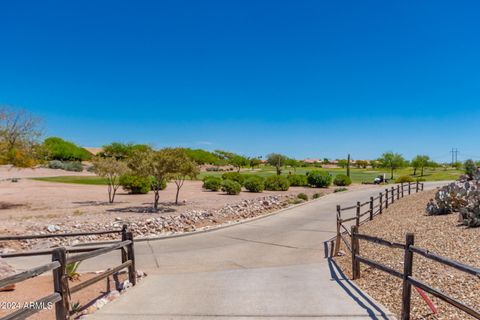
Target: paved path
(272,268)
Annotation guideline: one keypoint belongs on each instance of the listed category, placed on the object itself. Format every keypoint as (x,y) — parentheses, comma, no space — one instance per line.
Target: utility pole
(454,153)
(348,166)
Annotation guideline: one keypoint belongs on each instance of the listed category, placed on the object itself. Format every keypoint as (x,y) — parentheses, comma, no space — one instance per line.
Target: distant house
(312,161)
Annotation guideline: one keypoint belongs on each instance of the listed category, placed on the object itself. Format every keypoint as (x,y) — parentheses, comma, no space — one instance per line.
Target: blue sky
(304,78)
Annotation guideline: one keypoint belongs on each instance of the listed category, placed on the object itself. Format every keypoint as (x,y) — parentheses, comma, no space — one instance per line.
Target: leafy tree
(342,163)
(181,168)
(326,161)
(56,148)
(293,163)
(361,163)
(420,162)
(470,168)
(277,160)
(233,159)
(19,132)
(111,169)
(374,164)
(201,156)
(255,162)
(392,161)
(122,151)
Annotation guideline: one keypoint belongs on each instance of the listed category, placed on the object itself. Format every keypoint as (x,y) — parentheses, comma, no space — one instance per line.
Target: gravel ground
(439,234)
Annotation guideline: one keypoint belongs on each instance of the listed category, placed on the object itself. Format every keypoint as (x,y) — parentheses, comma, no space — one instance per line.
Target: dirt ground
(29,202)
(439,234)
(41,286)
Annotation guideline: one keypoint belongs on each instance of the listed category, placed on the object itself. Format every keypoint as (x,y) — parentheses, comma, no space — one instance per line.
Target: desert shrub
(296,201)
(59,149)
(277,183)
(214,169)
(302,196)
(212,183)
(254,184)
(55,164)
(231,187)
(298,180)
(73,166)
(319,179)
(234,176)
(135,184)
(404,179)
(342,180)
(316,195)
(470,168)
(340,190)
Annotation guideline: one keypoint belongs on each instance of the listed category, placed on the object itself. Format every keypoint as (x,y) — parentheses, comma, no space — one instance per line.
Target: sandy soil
(9,172)
(41,286)
(439,234)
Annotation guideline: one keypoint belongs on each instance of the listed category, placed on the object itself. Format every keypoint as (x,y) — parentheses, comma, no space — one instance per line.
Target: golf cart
(380,179)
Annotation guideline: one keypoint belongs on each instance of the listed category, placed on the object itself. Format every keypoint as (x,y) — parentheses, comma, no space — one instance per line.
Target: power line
(454,153)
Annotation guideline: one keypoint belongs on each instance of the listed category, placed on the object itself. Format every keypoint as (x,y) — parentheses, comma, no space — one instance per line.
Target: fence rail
(60,260)
(406,275)
(374,206)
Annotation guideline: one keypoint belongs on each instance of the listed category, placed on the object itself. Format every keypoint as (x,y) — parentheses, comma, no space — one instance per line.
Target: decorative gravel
(439,234)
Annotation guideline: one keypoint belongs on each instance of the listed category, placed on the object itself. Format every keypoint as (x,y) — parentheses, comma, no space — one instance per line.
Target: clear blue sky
(304,78)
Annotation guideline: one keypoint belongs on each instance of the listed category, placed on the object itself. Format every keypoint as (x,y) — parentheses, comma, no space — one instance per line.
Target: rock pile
(461,196)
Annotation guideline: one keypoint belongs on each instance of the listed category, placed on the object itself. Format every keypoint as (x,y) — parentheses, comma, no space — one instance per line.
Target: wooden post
(381,202)
(358,214)
(371,208)
(407,272)
(386,198)
(416,189)
(393,194)
(338,240)
(124,238)
(60,283)
(409,188)
(423,185)
(355,251)
(132,273)
(398,192)
(402,190)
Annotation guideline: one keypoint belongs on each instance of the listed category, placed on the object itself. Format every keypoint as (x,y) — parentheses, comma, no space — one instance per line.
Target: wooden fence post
(409,188)
(60,283)
(407,272)
(398,192)
(402,190)
(416,189)
(393,194)
(338,240)
(124,238)
(132,273)
(386,198)
(371,208)
(423,185)
(355,251)
(381,202)
(357,223)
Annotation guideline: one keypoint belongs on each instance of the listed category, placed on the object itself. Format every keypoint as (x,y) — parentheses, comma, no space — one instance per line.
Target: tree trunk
(110,196)
(414,171)
(157,197)
(279,170)
(176,196)
(421,173)
(391,176)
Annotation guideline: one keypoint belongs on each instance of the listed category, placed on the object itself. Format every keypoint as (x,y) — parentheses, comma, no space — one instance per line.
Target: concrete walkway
(272,268)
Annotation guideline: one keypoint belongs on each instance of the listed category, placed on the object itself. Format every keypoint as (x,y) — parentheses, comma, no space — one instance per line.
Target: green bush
(59,149)
(340,190)
(342,180)
(302,196)
(212,183)
(421,180)
(73,166)
(55,164)
(234,176)
(298,180)
(319,179)
(404,179)
(254,184)
(231,187)
(277,183)
(135,184)
(316,195)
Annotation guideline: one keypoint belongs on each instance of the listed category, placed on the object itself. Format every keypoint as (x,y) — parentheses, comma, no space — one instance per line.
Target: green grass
(75,179)
(357,175)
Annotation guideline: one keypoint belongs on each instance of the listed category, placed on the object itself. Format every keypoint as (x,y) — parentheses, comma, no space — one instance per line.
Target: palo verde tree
(420,162)
(19,132)
(236,160)
(277,160)
(392,161)
(111,169)
(181,167)
(122,151)
(294,163)
(254,162)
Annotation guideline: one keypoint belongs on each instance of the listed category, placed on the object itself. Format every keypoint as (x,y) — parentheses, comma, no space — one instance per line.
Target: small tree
(238,161)
(342,163)
(181,168)
(254,162)
(392,161)
(111,169)
(277,160)
(470,168)
(420,162)
(156,164)
(293,163)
